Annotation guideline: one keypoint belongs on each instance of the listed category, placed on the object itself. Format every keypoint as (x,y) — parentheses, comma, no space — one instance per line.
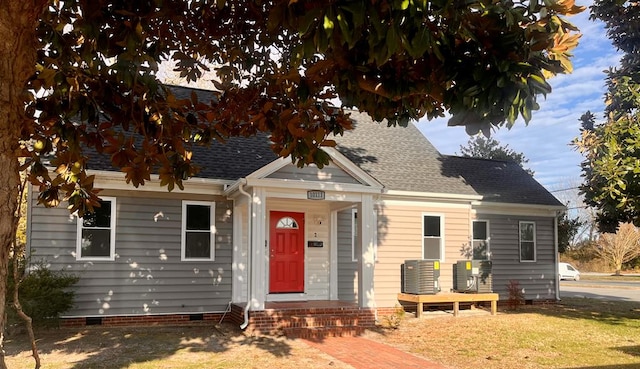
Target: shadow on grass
(119,347)
(575,308)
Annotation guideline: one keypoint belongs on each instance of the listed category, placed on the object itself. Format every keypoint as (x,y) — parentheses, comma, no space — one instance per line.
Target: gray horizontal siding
(537,279)
(347,269)
(329,173)
(147,276)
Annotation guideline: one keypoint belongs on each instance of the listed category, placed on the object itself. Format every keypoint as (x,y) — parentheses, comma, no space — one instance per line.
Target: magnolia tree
(611,150)
(79,76)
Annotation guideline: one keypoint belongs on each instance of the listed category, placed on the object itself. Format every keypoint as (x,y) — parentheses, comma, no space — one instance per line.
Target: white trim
(354,233)
(108,180)
(307,185)
(425,203)
(366,264)
(299,296)
(375,233)
(487,240)
(29,226)
(301,194)
(337,158)
(239,264)
(333,255)
(212,230)
(433,195)
(535,243)
(259,254)
(442,235)
(270,168)
(556,267)
(351,168)
(112,234)
(499,208)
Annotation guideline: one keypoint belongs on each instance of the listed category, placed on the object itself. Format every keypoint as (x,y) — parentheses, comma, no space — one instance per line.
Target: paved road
(604,290)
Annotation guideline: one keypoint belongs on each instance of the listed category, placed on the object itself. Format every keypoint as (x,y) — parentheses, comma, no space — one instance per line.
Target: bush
(44,294)
(516,296)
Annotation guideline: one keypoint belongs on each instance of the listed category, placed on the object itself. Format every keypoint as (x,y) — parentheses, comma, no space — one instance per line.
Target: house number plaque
(315,195)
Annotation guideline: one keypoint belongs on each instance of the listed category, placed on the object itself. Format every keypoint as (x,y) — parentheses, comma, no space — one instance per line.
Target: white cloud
(545,142)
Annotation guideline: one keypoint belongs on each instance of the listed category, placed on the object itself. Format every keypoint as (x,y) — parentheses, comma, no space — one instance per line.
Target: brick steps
(323,332)
(312,322)
(322,325)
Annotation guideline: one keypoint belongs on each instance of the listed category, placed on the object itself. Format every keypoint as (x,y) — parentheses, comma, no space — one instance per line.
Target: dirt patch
(220,346)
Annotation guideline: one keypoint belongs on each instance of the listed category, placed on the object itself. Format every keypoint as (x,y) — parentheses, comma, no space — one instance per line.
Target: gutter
(241,184)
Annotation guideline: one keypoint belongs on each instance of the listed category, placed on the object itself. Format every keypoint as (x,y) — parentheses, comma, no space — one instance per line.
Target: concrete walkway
(362,353)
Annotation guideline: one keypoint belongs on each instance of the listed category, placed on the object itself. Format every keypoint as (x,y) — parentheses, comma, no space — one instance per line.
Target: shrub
(44,294)
(394,320)
(516,296)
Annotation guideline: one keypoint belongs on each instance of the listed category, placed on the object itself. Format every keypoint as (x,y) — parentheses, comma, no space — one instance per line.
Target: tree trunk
(17,277)
(18,46)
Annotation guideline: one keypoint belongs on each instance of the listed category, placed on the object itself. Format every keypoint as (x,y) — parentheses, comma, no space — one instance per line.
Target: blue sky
(545,141)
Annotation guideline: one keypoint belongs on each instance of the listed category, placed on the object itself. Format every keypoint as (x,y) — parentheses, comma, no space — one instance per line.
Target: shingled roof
(400,158)
(500,181)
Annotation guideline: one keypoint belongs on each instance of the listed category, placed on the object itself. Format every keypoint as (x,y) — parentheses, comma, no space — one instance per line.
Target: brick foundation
(143,320)
(308,322)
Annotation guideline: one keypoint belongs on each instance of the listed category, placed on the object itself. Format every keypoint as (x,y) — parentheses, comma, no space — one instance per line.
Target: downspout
(556,253)
(245,324)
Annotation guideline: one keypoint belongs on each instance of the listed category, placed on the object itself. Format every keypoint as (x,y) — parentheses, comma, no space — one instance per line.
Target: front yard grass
(577,333)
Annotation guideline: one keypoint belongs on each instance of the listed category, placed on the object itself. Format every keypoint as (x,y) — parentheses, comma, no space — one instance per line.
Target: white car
(568,271)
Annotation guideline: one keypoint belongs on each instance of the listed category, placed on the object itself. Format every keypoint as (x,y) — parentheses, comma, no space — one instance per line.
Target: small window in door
(287,223)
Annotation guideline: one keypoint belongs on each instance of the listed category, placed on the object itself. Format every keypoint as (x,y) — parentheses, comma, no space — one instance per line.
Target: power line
(566,189)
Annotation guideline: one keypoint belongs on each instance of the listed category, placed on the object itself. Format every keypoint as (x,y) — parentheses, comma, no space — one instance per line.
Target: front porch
(307,319)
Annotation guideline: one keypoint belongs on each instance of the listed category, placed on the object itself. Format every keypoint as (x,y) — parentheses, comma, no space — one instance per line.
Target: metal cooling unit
(472,276)
(420,277)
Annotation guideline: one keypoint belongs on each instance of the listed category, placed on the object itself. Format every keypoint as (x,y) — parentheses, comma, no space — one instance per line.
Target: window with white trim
(198,231)
(480,240)
(527,241)
(432,241)
(96,239)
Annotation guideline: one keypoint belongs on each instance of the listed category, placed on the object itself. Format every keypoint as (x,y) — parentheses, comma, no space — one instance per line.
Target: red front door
(286,252)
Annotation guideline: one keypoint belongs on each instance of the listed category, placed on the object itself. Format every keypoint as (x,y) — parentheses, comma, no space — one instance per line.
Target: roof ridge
(476,158)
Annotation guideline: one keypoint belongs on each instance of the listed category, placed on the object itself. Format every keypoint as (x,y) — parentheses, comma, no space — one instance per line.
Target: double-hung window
(527,241)
(480,240)
(96,238)
(432,241)
(198,231)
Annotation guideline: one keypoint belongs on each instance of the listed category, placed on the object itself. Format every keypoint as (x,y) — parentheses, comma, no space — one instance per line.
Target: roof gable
(340,170)
(400,158)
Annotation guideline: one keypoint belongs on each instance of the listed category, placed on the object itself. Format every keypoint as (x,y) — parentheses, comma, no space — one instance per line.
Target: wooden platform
(447,298)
